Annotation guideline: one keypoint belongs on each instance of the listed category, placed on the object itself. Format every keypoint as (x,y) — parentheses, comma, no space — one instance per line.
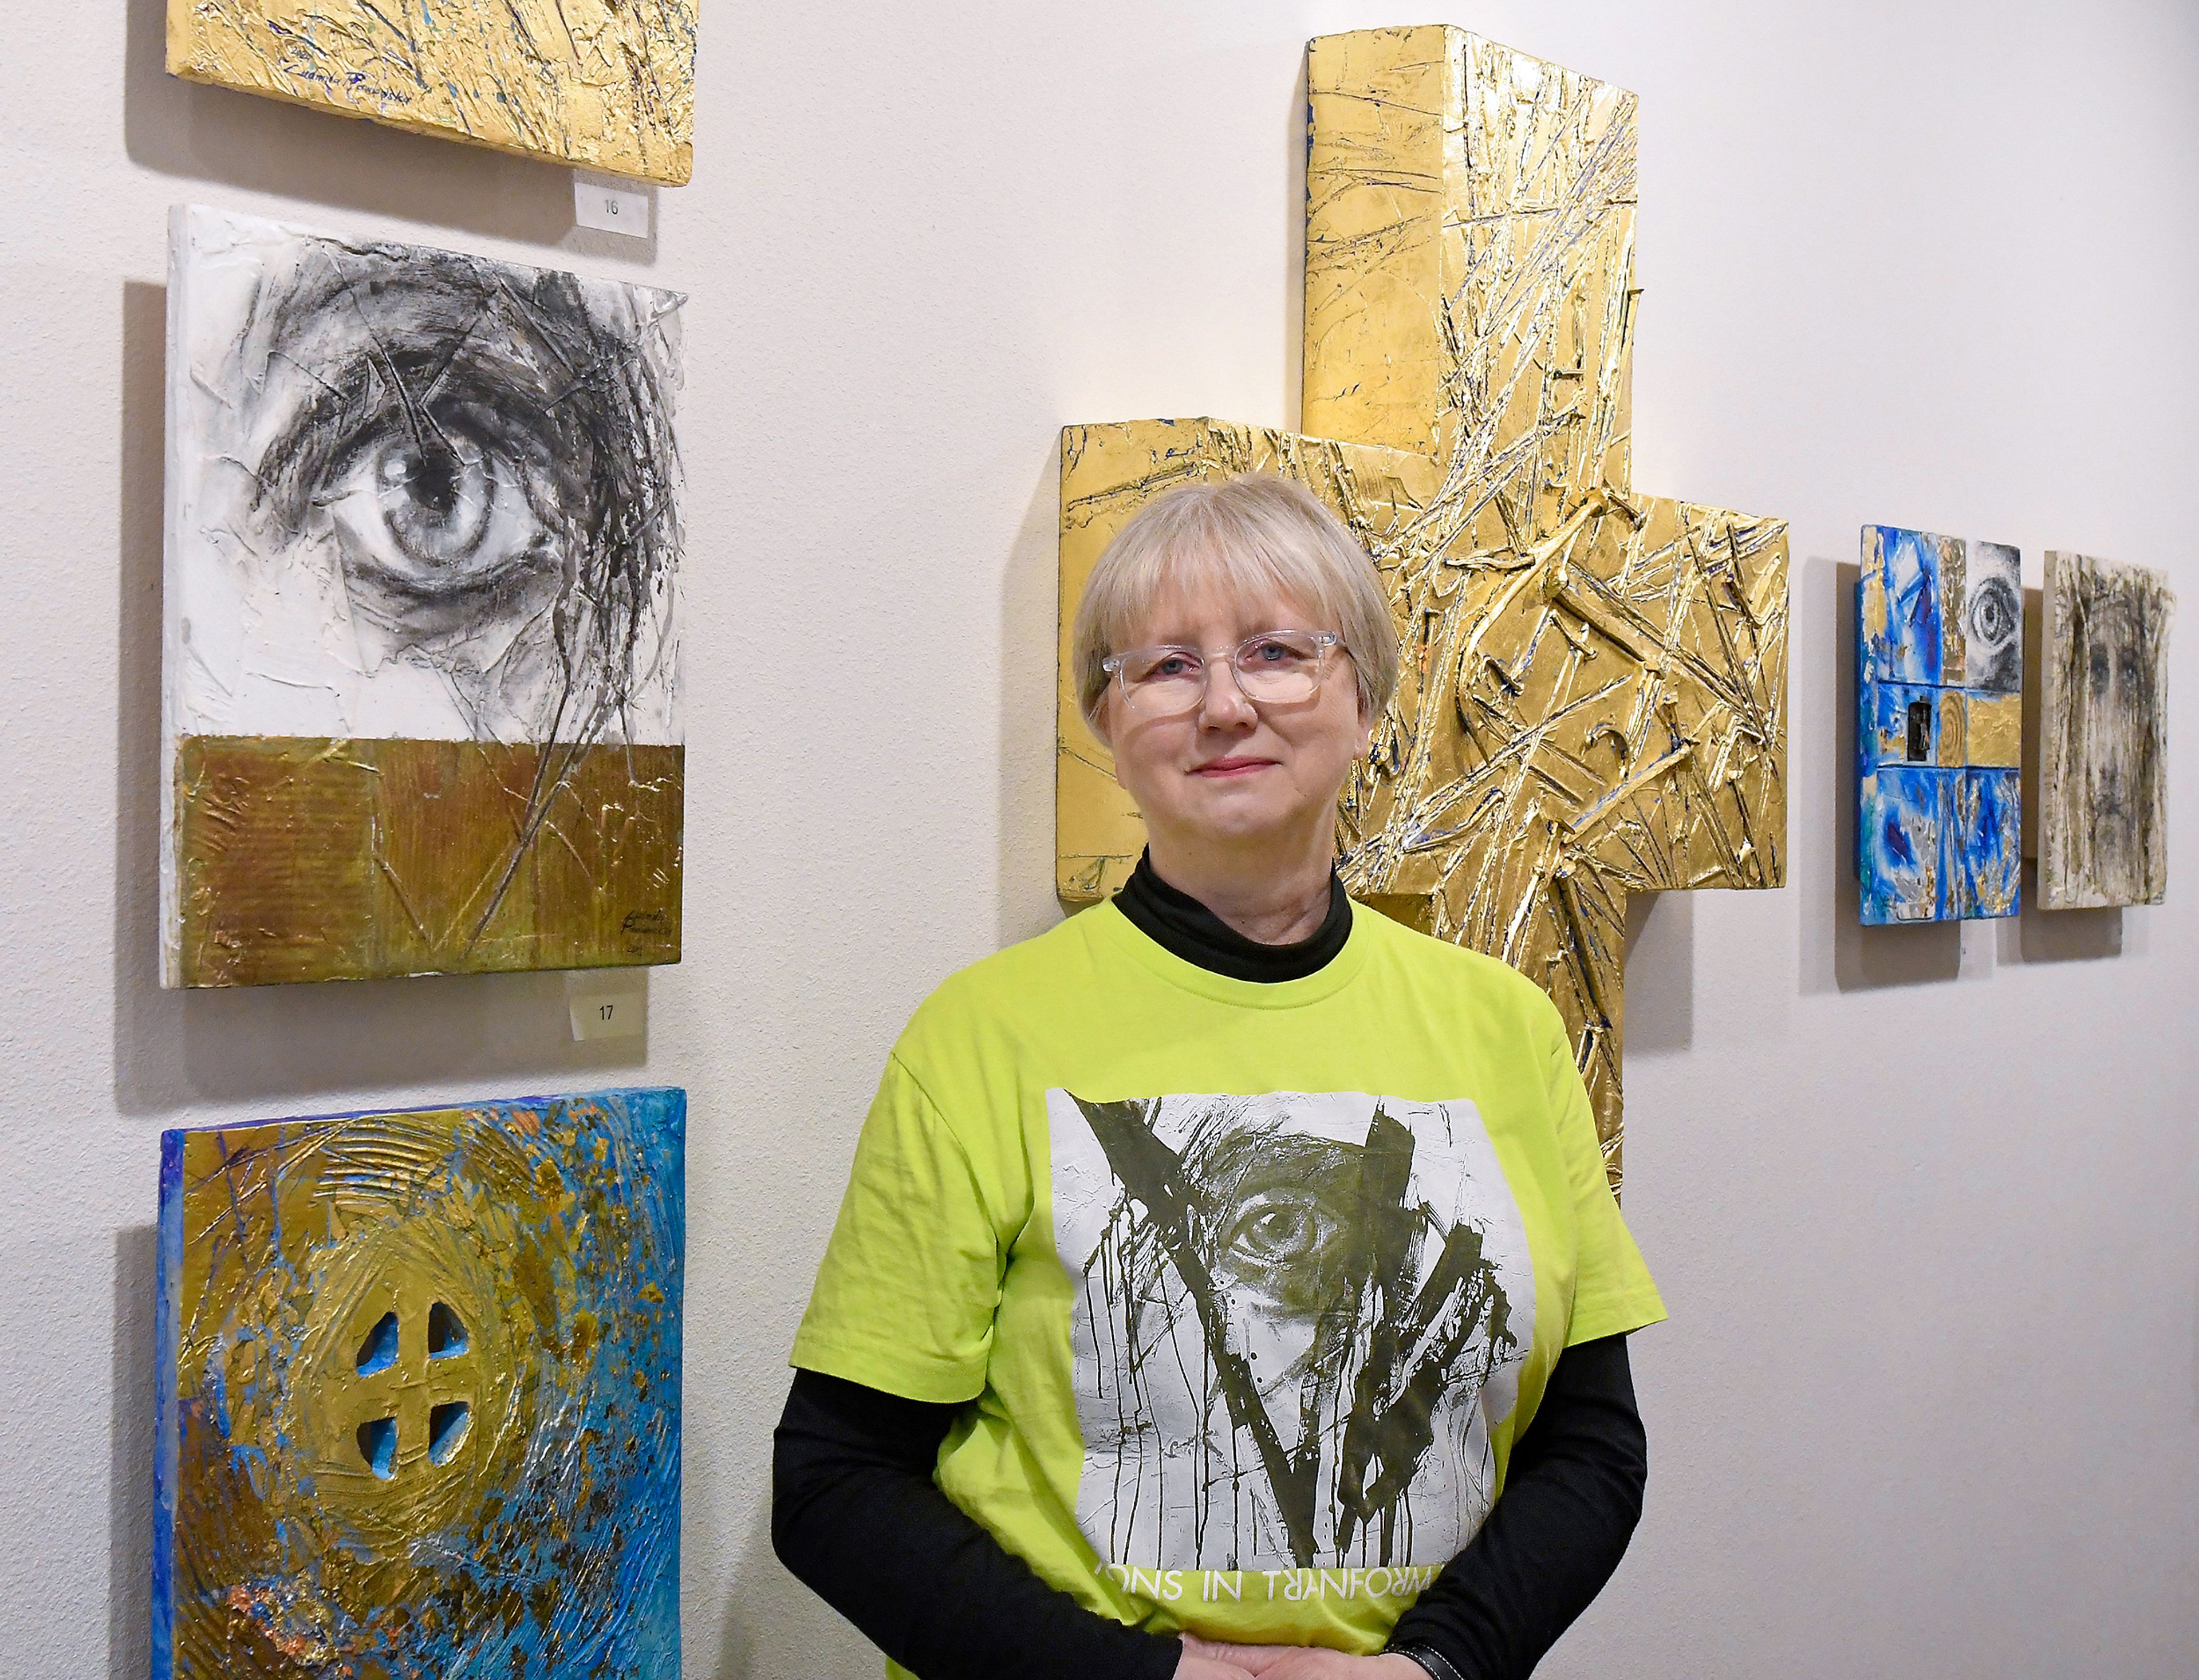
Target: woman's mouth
(1222,769)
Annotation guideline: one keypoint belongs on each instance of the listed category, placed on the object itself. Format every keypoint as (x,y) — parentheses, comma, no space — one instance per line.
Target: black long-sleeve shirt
(857,1515)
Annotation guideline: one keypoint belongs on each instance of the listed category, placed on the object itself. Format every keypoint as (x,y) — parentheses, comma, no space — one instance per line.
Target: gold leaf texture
(604,85)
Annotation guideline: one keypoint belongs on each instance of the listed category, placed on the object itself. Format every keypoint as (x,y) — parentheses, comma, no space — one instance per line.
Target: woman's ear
(1097,720)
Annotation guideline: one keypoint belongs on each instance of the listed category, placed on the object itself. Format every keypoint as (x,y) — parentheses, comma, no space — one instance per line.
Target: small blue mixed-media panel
(1938,727)
(418,1405)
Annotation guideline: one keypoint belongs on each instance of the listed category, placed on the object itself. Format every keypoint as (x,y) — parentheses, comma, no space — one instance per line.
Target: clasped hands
(1204,1659)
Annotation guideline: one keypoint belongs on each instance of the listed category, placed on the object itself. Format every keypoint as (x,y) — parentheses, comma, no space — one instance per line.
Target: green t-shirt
(1252,1284)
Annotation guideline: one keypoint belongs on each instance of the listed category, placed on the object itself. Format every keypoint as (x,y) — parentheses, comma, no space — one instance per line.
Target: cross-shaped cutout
(1595,691)
(409,1403)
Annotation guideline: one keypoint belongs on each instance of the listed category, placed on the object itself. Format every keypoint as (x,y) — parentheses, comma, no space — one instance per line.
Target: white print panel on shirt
(1295,1317)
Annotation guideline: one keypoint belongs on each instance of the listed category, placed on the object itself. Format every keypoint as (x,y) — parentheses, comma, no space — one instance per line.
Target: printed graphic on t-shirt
(1295,1317)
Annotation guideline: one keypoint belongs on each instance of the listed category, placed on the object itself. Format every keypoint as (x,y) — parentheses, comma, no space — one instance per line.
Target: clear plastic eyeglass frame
(1151,688)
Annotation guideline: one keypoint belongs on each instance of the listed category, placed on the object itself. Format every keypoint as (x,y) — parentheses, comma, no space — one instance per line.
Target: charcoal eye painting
(1938,727)
(1295,1318)
(420,695)
(2104,750)
(419,1394)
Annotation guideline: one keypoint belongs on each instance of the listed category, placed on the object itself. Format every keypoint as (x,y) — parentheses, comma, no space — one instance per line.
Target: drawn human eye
(1289,1245)
(481,460)
(1279,1233)
(2102,670)
(1993,613)
(433,514)
(2137,679)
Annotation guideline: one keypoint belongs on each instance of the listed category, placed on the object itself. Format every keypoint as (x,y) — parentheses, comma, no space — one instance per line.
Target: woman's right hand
(1196,1665)
(1189,1667)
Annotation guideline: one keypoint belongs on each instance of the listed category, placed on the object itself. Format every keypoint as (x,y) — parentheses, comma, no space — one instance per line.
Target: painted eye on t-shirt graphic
(1295,1317)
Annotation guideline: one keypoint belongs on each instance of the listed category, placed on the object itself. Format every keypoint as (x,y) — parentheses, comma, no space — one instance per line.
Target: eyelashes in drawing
(483,457)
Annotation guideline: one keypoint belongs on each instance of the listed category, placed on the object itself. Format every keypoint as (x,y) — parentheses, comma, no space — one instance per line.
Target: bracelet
(1436,1665)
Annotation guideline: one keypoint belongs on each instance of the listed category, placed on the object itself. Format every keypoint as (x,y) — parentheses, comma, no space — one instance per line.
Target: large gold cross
(1595,691)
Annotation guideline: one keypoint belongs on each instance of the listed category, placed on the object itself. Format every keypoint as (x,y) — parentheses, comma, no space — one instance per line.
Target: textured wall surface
(1921,1198)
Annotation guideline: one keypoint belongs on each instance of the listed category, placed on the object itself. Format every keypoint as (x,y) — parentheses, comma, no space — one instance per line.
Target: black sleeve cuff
(1433,1661)
(857,1517)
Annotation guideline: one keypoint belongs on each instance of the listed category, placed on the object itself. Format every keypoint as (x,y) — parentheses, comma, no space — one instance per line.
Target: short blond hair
(1255,534)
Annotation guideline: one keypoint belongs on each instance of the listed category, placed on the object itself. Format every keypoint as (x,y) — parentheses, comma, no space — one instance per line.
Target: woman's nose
(1223,705)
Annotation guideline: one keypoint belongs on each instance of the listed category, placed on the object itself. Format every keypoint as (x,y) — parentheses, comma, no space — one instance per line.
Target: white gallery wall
(1924,1202)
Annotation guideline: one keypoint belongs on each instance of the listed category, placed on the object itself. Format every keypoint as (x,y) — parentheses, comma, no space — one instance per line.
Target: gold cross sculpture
(1595,691)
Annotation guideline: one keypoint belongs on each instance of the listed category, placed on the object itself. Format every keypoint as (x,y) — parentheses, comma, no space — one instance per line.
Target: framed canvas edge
(166,1424)
(181,62)
(170,921)
(2053,703)
(183,216)
(2054,700)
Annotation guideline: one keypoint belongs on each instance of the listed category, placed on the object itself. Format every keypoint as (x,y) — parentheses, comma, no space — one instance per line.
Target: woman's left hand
(1306,1662)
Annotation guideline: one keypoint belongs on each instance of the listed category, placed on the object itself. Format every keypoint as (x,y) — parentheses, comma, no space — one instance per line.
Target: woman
(1210,1263)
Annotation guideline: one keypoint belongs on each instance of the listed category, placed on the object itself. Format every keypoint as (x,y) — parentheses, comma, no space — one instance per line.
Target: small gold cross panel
(1594,691)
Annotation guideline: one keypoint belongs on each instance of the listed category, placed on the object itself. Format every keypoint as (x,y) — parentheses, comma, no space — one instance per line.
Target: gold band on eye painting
(305,859)
(1594,692)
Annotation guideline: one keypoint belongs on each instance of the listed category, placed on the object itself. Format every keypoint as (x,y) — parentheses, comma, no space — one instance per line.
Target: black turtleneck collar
(1181,924)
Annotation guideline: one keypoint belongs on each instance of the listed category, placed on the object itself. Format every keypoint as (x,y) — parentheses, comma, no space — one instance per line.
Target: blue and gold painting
(1938,727)
(1988,815)
(418,1403)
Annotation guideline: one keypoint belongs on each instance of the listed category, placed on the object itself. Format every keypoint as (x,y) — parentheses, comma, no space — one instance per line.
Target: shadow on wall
(207,134)
(1030,605)
(129,1456)
(2057,935)
(176,1048)
(1661,972)
(771,1617)
(1297,140)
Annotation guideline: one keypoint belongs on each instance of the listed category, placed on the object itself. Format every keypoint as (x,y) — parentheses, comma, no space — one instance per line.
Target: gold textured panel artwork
(608,85)
(1595,687)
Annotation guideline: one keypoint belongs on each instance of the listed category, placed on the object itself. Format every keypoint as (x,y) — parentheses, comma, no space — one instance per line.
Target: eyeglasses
(1274,667)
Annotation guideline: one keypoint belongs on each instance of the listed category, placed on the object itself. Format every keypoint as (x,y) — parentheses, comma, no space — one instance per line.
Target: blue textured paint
(167,1275)
(1990,866)
(1911,651)
(446,1337)
(1906,877)
(379,1351)
(447,1428)
(378,1445)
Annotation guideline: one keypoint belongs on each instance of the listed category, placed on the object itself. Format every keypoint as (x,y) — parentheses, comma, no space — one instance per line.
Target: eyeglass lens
(1278,666)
